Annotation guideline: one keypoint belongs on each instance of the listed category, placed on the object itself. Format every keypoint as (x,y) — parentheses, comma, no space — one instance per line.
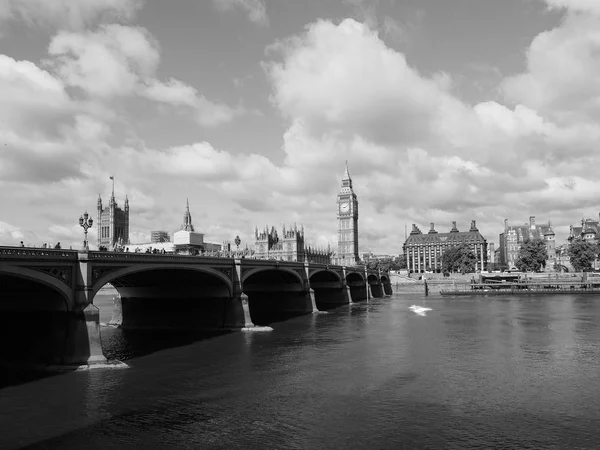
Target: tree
(459,258)
(582,254)
(532,255)
(384,264)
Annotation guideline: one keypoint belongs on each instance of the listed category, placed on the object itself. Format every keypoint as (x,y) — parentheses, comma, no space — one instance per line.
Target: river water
(487,372)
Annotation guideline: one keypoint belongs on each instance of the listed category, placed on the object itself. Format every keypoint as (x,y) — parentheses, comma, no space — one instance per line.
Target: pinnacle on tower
(187,218)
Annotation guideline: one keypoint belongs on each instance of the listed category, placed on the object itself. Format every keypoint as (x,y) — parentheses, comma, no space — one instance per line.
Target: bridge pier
(237,313)
(83,344)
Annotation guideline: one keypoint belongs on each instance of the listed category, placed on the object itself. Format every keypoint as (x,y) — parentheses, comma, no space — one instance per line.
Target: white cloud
(590,6)
(121,61)
(417,153)
(562,79)
(71,14)
(107,62)
(415,145)
(177,93)
(256,9)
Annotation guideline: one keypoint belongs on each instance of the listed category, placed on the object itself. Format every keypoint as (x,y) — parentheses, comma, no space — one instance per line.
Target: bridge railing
(37,253)
(155,257)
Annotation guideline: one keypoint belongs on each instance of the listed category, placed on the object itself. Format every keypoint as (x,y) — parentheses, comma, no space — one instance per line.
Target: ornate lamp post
(237,241)
(85,222)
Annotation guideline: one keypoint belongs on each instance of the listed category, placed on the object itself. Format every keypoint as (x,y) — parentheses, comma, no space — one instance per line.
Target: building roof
(587,226)
(453,237)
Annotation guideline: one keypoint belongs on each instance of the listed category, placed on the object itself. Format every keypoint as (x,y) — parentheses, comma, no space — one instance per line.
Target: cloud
(121,61)
(345,78)
(256,9)
(418,149)
(177,93)
(589,6)
(562,78)
(70,14)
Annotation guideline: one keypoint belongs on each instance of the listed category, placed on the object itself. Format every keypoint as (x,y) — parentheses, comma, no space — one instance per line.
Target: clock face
(344,207)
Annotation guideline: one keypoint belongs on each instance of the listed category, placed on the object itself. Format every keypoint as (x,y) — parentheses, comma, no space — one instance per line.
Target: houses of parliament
(286,245)
(289,245)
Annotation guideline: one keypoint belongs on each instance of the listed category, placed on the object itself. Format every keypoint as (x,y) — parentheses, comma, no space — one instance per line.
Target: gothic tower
(347,222)
(187,218)
(113,222)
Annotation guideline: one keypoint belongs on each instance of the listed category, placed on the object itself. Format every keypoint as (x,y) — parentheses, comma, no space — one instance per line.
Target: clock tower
(347,223)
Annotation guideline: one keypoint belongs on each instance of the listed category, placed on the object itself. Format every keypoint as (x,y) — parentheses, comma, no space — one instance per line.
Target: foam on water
(257,328)
(420,310)
(107,365)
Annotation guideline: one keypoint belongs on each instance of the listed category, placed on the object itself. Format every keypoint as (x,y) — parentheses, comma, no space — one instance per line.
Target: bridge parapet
(36,254)
(156,257)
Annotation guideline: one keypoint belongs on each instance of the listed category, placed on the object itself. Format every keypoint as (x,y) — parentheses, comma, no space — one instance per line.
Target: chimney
(532,222)
(432,226)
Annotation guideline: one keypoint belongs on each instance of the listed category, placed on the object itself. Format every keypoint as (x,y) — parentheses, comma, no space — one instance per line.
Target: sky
(445,110)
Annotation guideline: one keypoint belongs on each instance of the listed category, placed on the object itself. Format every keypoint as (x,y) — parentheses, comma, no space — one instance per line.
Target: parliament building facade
(423,252)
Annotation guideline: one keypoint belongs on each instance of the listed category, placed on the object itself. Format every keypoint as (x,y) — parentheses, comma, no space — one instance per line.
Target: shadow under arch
(358,287)
(40,327)
(329,289)
(375,285)
(386,284)
(275,294)
(170,297)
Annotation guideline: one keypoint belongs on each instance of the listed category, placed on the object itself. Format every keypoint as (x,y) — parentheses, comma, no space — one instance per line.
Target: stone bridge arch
(167,296)
(276,293)
(375,285)
(42,323)
(109,276)
(299,276)
(386,284)
(358,286)
(59,280)
(329,288)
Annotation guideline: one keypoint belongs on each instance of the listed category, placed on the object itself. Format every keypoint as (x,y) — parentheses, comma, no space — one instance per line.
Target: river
(487,372)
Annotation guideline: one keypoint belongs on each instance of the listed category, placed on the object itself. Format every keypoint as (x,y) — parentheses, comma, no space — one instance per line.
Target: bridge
(47,296)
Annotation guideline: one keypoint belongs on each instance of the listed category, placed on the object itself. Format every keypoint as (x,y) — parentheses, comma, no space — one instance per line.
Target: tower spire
(187,217)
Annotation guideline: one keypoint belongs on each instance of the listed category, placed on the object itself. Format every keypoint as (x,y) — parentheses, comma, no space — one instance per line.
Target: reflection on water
(483,372)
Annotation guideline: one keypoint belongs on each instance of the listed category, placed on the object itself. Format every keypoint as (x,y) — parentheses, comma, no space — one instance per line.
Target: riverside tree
(532,255)
(582,254)
(459,258)
(387,264)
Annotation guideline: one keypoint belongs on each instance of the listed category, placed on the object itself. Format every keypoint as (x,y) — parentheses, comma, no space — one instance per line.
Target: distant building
(588,231)
(423,252)
(113,223)
(491,252)
(287,247)
(186,240)
(514,236)
(159,236)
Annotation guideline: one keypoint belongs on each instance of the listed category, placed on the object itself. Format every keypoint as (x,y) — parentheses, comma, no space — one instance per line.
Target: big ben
(347,222)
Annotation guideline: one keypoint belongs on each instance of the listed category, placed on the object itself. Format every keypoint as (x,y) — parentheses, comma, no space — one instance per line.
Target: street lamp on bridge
(237,241)
(85,222)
